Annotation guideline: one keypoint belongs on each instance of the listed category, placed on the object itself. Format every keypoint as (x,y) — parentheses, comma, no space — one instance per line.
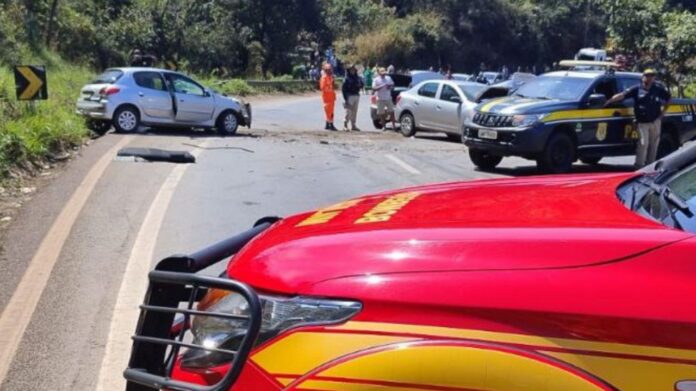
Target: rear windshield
(555,87)
(109,76)
(471,90)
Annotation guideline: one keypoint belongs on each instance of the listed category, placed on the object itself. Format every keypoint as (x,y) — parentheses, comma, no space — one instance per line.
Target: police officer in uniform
(650,99)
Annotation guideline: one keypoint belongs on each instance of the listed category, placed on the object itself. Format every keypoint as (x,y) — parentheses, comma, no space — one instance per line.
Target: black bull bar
(173,283)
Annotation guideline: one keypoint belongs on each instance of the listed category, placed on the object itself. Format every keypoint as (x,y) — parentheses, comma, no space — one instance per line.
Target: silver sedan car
(129,97)
(437,106)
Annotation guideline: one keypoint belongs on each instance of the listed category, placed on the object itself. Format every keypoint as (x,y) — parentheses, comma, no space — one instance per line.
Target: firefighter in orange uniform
(328,95)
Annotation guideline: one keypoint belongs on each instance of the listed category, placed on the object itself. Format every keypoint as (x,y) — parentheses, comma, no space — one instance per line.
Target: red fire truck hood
(510,224)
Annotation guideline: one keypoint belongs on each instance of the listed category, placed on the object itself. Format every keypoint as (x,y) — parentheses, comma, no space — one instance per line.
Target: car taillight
(110,90)
(398,98)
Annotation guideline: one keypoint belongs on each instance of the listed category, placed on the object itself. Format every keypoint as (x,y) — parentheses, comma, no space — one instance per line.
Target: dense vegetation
(31,135)
(264,37)
(238,39)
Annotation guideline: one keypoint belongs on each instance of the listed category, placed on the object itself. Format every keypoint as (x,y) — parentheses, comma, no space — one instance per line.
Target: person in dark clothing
(650,99)
(351,87)
(149,60)
(136,58)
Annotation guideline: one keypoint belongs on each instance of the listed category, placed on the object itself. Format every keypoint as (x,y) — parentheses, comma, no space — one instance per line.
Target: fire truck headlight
(279,314)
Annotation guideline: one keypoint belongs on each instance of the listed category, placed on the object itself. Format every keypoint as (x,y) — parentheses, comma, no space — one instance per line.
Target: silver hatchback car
(129,97)
(437,106)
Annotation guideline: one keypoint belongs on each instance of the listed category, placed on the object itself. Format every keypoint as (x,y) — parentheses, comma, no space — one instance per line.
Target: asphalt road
(88,245)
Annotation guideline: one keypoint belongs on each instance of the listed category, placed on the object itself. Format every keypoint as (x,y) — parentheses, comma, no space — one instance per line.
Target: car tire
(98,126)
(377,124)
(667,145)
(228,123)
(592,161)
(126,119)
(407,125)
(484,159)
(558,155)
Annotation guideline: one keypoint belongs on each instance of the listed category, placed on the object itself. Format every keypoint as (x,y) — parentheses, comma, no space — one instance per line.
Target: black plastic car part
(174,289)
(158,155)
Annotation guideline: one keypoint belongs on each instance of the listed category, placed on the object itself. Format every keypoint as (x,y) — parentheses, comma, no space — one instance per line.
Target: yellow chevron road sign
(30,82)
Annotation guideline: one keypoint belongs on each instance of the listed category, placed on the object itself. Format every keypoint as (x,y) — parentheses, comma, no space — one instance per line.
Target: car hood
(506,225)
(513,105)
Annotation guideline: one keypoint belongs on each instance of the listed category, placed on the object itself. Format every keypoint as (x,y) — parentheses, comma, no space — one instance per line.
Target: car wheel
(408,125)
(126,119)
(592,161)
(667,145)
(97,126)
(559,154)
(228,123)
(484,159)
(377,124)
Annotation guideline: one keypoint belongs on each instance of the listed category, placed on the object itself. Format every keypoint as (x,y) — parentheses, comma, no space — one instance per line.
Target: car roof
(462,83)
(418,72)
(589,74)
(139,69)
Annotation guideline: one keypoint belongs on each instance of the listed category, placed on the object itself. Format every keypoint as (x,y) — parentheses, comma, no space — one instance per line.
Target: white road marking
(134,284)
(403,164)
(18,313)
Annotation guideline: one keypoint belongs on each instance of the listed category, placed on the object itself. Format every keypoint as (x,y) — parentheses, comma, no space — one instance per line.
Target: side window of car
(184,85)
(428,90)
(626,83)
(606,87)
(149,80)
(448,92)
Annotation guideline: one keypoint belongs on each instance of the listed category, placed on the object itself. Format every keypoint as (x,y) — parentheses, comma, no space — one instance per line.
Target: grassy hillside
(30,134)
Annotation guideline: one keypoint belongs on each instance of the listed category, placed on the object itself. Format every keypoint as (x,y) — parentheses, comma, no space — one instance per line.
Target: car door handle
(417,103)
(438,107)
(141,94)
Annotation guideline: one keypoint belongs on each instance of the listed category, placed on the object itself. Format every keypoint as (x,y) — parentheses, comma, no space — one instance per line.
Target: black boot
(332,127)
(327,126)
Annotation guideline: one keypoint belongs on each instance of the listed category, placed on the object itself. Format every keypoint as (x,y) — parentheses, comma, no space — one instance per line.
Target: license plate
(488,134)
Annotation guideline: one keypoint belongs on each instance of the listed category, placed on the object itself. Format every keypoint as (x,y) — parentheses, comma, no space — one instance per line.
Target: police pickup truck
(561,117)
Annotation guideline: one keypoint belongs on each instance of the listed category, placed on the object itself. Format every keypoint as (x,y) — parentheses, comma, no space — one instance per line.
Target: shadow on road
(189,133)
(577,169)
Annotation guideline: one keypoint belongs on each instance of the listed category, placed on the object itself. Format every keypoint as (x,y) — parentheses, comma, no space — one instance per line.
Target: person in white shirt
(382,86)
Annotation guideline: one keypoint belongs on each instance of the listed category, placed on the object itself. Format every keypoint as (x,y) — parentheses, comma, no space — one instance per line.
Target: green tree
(635,24)
(659,35)
(679,48)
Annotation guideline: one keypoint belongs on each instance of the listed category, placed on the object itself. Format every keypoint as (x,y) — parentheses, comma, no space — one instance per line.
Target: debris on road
(158,155)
